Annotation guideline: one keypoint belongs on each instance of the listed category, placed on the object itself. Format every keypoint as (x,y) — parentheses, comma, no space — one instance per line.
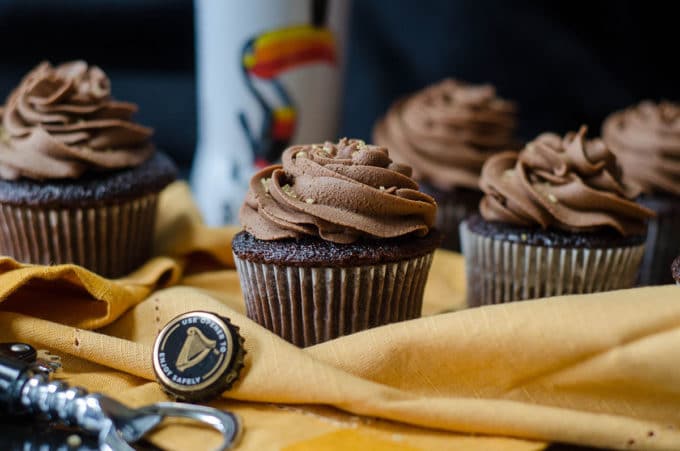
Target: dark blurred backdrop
(145,46)
(565,63)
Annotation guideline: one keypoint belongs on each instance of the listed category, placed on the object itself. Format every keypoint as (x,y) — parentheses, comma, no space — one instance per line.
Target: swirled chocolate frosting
(61,121)
(338,192)
(447,131)
(646,139)
(566,182)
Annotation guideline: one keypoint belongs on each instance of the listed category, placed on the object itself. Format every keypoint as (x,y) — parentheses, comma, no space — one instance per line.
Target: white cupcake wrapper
(503,271)
(450,213)
(662,246)
(309,305)
(111,240)
(452,208)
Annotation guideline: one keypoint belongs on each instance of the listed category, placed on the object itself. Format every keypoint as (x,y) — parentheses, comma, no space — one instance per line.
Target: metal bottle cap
(197,356)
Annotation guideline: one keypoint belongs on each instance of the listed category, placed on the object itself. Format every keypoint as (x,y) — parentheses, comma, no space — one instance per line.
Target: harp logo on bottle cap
(197,356)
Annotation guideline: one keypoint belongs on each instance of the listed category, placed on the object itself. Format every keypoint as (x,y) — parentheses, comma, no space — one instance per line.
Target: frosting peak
(61,121)
(339,192)
(447,131)
(569,183)
(646,139)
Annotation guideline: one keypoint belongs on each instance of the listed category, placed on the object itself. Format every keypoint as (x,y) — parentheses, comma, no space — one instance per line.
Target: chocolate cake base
(453,206)
(663,239)
(310,290)
(93,188)
(103,222)
(311,251)
(506,263)
(536,236)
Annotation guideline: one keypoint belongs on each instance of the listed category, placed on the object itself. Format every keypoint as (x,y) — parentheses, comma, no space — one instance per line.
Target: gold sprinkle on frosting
(508,173)
(289,191)
(265,184)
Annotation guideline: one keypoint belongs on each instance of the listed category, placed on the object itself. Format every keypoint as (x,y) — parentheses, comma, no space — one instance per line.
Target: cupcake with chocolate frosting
(556,218)
(646,139)
(446,132)
(77,176)
(337,239)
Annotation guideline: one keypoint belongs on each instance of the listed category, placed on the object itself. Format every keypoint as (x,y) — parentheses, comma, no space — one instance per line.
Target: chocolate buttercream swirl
(339,192)
(61,121)
(646,139)
(568,183)
(447,131)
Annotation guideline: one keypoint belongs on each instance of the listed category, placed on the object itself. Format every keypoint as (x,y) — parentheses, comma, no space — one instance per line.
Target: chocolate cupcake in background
(556,218)
(338,239)
(675,270)
(446,132)
(78,180)
(646,139)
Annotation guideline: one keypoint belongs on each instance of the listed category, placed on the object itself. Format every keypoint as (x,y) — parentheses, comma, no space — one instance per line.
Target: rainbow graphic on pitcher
(264,59)
(277,51)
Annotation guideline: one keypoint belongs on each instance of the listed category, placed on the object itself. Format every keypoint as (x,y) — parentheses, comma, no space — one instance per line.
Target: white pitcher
(269,76)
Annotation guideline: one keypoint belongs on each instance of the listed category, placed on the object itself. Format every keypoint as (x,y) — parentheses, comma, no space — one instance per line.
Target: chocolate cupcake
(556,219)
(446,132)
(646,139)
(675,270)
(338,239)
(78,180)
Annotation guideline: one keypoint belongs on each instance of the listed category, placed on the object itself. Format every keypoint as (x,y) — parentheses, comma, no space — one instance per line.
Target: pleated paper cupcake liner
(663,242)
(452,208)
(502,271)
(309,305)
(111,240)
(449,216)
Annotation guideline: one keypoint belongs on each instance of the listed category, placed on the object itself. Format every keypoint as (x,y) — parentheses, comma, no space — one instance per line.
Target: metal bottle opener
(25,389)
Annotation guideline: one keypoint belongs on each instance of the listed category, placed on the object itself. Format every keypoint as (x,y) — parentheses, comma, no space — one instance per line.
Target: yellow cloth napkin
(599,370)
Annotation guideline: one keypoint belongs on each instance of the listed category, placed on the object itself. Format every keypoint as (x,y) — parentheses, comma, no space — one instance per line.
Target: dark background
(146,47)
(565,63)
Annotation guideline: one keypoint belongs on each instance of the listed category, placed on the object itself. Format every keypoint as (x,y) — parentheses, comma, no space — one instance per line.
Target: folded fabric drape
(598,370)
